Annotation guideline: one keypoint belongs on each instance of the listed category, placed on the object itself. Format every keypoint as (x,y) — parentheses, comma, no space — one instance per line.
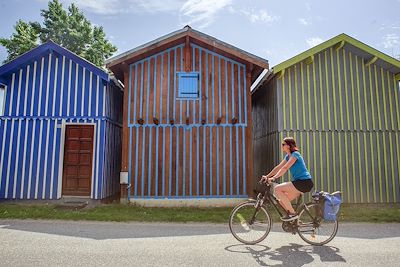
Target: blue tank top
(298,170)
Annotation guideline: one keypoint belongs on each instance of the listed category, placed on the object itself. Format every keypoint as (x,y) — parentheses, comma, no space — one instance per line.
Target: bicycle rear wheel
(243,229)
(313,229)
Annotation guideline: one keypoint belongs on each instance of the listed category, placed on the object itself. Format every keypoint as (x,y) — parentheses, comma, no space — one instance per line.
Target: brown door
(78,157)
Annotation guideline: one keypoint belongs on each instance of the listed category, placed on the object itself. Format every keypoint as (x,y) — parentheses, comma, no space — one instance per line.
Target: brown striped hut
(187,127)
(340,101)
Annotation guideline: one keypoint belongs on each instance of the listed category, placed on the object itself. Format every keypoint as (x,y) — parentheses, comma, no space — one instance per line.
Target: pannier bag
(329,204)
(332,205)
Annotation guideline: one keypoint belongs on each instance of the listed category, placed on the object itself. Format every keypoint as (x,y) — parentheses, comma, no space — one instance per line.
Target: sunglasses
(284,144)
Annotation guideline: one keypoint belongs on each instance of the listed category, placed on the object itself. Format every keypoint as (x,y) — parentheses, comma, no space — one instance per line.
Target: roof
(179,36)
(45,48)
(351,44)
(369,53)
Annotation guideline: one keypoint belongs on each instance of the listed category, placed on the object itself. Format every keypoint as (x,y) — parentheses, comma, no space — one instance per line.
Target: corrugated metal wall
(197,156)
(40,99)
(345,117)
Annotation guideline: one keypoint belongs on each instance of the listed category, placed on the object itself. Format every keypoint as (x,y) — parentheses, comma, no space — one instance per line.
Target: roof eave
(234,51)
(331,42)
(50,46)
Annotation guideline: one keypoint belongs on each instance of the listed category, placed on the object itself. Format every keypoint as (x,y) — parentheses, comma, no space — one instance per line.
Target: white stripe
(69,86)
(53,158)
(24,160)
(31,160)
(55,88)
(2,151)
(45,160)
(97,97)
(12,93)
(33,87)
(39,160)
(3,111)
(47,87)
(61,161)
(83,91)
(104,101)
(90,94)
(62,85)
(26,88)
(40,87)
(76,88)
(97,159)
(9,158)
(17,152)
(19,92)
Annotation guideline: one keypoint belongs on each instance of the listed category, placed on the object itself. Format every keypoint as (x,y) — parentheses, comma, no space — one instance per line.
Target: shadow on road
(291,255)
(109,230)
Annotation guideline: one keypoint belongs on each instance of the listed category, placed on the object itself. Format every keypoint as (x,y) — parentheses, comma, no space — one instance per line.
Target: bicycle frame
(271,199)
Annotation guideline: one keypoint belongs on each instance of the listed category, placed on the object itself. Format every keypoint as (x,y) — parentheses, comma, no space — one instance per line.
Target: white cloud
(197,13)
(112,7)
(155,6)
(390,40)
(261,16)
(305,21)
(201,12)
(313,41)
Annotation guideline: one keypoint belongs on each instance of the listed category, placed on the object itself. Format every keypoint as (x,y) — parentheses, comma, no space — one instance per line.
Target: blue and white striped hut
(60,127)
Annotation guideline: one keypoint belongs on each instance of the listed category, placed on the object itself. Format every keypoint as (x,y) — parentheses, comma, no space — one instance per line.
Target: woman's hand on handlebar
(265,179)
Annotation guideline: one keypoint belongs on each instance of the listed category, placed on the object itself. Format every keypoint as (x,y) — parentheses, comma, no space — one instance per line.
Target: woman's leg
(286,192)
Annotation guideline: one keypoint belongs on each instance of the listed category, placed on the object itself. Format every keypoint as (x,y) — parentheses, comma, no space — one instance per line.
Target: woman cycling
(301,178)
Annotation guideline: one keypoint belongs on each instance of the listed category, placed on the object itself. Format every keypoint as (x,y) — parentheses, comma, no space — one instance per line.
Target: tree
(68,28)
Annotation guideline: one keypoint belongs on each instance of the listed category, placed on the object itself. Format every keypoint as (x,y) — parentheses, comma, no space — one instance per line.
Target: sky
(274,30)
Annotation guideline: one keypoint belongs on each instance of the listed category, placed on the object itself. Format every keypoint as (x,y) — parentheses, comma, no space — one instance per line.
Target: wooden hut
(60,128)
(340,101)
(187,130)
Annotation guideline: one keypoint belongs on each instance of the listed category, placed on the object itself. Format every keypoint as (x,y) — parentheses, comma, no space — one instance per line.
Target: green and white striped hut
(340,101)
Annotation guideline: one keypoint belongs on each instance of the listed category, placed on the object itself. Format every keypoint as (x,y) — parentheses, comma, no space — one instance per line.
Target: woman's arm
(276,169)
(284,169)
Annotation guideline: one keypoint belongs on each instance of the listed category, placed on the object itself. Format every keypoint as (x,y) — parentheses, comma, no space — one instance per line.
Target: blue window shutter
(188,84)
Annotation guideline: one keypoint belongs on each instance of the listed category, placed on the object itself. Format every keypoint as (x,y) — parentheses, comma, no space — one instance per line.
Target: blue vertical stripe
(197,162)
(244,159)
(191,161)
(237,160)
(184,162)
(150,161)
(170,162)
(137,130)
(177,162)
(163,162)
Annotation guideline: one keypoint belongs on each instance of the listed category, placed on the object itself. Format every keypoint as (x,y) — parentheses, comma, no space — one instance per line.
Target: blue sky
(275,30)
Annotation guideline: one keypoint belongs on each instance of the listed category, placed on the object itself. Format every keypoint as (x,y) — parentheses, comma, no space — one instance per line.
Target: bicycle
(250,221)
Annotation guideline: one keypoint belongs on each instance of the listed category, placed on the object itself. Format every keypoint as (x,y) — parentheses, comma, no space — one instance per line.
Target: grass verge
(126,213)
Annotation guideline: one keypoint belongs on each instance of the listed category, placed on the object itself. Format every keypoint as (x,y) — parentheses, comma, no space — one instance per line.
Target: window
(188,84)
(2,100)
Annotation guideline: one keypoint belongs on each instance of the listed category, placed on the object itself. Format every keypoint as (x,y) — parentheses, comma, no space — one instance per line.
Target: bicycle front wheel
(248,225)
(313,229)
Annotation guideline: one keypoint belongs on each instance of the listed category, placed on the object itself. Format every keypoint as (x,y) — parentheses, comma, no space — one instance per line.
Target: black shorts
(303,186)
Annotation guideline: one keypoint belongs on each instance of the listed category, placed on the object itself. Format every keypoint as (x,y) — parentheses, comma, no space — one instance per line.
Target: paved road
(61,243)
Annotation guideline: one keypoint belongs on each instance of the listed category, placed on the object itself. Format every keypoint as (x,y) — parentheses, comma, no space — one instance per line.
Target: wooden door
(78,160)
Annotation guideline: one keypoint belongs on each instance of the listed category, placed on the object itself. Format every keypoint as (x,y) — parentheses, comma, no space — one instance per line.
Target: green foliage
(24,39)
(68,28)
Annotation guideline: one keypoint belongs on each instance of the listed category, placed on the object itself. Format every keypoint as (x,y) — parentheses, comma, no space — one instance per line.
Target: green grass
(125,213)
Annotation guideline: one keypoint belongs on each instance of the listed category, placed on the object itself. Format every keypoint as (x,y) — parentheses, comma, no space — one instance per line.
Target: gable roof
(179,36)
(343,40)
(45,48)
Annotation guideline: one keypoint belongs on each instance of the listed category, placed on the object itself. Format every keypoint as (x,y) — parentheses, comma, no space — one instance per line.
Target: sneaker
(290,217)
